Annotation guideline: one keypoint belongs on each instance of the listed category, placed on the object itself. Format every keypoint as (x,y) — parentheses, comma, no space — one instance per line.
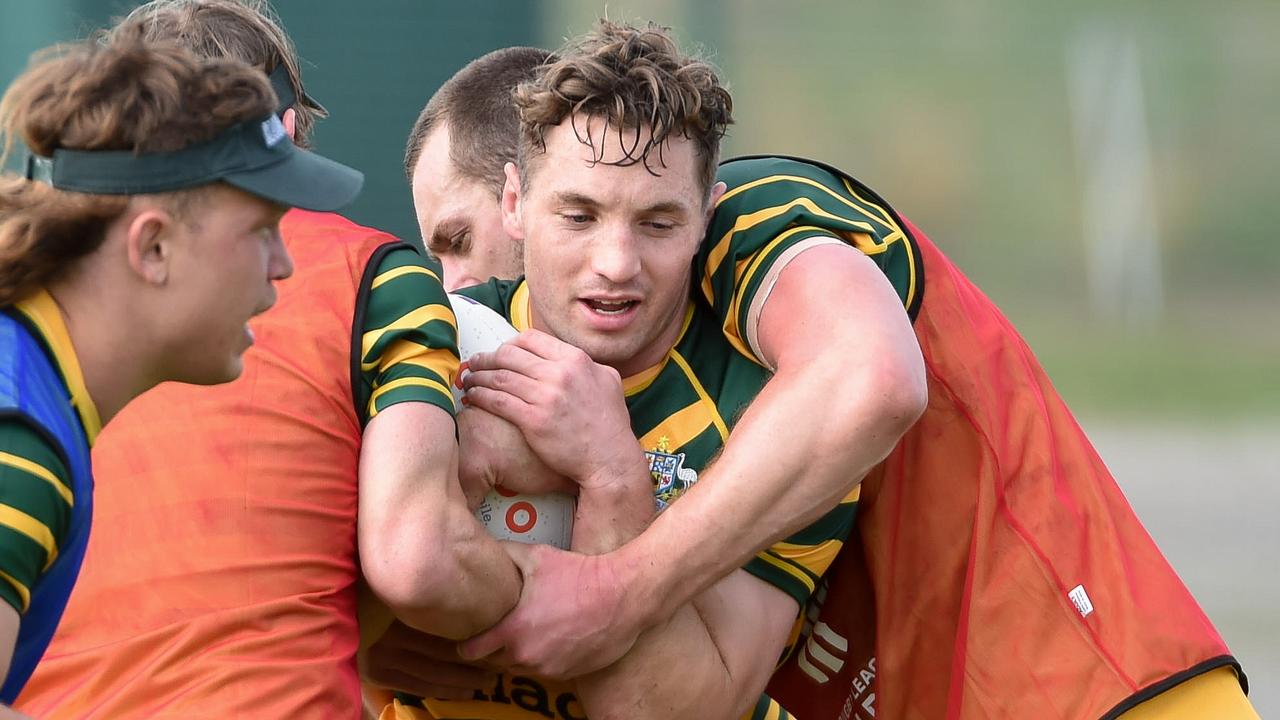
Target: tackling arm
(725,642)
(847,386)
(422,551)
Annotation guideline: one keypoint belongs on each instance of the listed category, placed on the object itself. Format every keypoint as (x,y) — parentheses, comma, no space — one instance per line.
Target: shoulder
(401,277)
(764,187)
(24,445)
(497,295)
(772,203)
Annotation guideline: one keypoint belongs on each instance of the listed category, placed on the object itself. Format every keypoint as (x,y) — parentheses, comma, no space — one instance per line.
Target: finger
(484,647)
(411,640)
(524,555)
(522,386)
(508,356)
(444,673)
(505,405)
(542,480)
(392,667)
(545,346)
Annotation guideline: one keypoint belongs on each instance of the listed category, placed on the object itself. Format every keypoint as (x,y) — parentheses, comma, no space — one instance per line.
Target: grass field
(1207,492)
(1182,370)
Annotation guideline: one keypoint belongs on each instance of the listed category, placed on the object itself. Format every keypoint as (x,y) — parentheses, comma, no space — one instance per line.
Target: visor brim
(303,180)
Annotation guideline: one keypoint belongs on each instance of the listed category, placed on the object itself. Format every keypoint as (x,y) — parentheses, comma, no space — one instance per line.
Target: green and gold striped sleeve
(407,336)
(35,509)
(796,564)
(766,708)
(772,207)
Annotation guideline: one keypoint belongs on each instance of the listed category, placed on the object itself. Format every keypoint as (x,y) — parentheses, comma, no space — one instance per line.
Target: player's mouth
(609,313)
(248,330)
(610,307)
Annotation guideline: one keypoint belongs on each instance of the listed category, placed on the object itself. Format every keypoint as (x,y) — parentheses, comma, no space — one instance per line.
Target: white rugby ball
(545,519)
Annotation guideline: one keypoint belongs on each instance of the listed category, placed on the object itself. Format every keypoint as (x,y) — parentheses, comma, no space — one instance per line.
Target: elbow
(878,404)
(409,570)
(906,398)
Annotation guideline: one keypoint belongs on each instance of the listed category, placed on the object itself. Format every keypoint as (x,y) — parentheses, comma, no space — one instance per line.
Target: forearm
(849,381)
(613,513)
(474,583)
(808,472)
(724,642)
(422,551)
(10,622)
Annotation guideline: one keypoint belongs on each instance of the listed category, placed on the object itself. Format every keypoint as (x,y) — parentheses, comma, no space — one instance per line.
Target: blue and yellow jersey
(407,335)
(47,422)
(35,483)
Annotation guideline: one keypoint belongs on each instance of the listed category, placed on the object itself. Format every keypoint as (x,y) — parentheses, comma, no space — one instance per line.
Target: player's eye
(456,243)
(461,242)
(576,218)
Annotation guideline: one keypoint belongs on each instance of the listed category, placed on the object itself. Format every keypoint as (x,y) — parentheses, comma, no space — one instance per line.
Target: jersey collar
(520,307)
(42,311)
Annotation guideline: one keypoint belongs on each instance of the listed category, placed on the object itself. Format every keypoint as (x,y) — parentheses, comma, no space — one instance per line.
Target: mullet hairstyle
(244,30)
(117,94)
(631,78)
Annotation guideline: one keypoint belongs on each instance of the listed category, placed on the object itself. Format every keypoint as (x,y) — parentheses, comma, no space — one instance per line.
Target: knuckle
(611,375)
(503,354)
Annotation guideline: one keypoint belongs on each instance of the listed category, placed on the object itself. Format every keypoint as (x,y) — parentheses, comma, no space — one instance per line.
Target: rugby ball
(545,519)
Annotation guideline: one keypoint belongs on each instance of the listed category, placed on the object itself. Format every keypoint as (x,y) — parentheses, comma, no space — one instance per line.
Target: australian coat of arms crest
(670,478)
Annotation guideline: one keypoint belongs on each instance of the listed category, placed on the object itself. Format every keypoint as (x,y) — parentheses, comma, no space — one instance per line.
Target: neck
(114,372)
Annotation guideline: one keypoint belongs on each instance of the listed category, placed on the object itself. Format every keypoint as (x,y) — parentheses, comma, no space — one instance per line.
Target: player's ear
(290,121)
(149,244)
(512,202)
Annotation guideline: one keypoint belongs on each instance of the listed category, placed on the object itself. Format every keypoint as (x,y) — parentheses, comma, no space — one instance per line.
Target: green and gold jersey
(772,209)
(682,411)
(408,335)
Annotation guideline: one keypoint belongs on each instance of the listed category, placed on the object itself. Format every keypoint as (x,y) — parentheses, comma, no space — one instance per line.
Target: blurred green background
(1106,171)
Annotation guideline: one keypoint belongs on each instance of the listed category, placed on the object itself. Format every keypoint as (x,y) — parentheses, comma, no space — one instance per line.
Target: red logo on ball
(518,524)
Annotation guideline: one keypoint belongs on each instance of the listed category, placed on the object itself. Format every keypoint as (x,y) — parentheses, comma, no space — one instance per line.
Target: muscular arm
(838,379)
(724,642)
(423,553)
(421,550)
(847,386)
(849,382)
(34,491)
